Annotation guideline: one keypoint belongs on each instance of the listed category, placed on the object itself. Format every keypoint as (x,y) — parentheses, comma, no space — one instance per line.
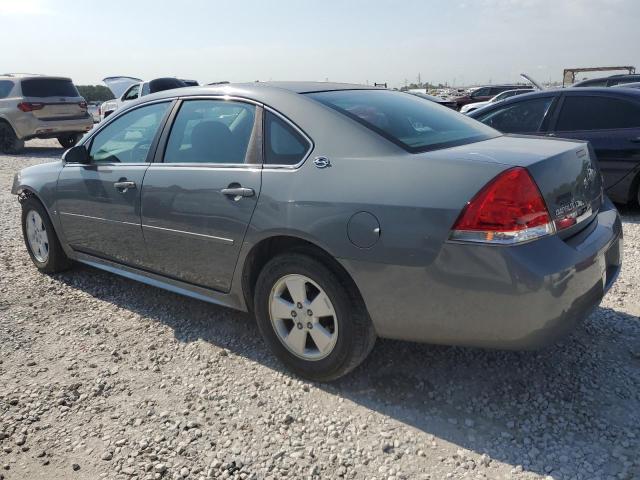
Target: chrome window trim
(276,166)
(268,167)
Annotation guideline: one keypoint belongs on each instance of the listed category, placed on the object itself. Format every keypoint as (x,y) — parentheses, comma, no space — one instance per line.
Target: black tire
(68,141)
(57,260)
(356,336)
(9,142)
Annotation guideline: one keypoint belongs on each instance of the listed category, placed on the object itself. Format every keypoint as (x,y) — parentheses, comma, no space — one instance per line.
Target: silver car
(336,214)
(37,106)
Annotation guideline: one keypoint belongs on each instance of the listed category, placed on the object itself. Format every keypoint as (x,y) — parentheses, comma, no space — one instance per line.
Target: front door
(99,203)
(197,203)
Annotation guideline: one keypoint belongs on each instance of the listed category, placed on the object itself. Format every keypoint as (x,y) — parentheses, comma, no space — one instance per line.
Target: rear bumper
(29,126)
(490,296)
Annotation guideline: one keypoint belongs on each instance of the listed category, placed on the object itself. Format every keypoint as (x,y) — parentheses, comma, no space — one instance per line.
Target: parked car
(470,107)
(628,85)
(125,89)
(442,101)
(39,106)
(336,214)
(94,110)
(608,118)
(610,81)
(483,94)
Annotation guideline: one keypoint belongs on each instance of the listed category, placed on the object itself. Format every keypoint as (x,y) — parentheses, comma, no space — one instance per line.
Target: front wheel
(68,141)
(41,240)
(312,321)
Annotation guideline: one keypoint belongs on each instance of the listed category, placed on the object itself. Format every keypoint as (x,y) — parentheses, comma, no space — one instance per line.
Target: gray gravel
(101,377)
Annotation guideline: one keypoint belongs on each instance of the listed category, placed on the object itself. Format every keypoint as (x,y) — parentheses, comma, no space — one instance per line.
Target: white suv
(37,106)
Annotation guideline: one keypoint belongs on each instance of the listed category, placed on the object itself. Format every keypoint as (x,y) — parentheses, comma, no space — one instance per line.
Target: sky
(462,42)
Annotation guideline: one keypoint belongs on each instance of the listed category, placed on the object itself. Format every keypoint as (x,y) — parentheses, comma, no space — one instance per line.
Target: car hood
(118,85)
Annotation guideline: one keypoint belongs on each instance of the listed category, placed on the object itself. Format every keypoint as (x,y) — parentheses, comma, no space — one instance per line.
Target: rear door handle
(635,140)
(124,186)
(238,192)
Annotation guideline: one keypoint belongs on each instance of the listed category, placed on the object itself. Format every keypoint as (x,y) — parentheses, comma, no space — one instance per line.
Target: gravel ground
(101,377)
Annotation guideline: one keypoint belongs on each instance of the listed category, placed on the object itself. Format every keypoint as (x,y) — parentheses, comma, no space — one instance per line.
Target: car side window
(132,93)
(597,113)
(5,87)
(283,144)
(521,117)
(482,92)
(128,138)
(211,131)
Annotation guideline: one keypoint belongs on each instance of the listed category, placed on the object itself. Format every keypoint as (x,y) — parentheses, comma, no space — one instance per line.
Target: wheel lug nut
(310,313)
(299,305)
(294,314)
(299,325)
(309,325)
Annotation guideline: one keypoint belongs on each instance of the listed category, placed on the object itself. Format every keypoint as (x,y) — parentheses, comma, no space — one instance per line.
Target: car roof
(553,92)
(310,87)
(28,76)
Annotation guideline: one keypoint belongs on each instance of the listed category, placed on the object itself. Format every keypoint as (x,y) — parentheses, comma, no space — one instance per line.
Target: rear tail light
(30,106)
(509,209)
(83,105)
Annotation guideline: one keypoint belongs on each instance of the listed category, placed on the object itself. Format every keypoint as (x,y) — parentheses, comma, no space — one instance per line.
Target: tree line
(95,93)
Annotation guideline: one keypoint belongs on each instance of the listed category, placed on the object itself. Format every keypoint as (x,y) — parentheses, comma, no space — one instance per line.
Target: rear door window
(406,120)
(522,117)
(5,88)
(597,113)
(211,131)
(283,144)
(48,87)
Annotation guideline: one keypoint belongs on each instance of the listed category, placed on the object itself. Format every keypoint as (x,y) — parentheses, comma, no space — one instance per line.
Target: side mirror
(77,154)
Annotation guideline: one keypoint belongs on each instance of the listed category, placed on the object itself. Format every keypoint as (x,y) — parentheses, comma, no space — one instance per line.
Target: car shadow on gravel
(561,410)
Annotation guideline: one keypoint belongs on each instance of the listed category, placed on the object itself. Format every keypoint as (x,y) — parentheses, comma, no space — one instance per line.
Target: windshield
(407,121)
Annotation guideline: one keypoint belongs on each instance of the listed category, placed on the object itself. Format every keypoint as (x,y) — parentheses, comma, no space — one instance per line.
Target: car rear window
(48,87)
(406,120)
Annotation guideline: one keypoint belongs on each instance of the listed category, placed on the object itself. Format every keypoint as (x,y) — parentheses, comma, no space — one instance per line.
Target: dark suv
(608,118)
(483,94)
(611,81)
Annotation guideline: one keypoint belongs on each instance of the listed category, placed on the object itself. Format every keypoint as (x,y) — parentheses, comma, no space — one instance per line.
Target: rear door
(53,98)
(198,199)
(612,125)
(99,203)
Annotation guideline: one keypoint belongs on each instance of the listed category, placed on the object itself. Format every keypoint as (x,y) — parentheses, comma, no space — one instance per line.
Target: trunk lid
(565,171)
(54,98)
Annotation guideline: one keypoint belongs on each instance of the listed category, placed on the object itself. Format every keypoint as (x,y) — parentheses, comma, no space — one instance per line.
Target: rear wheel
(9,142)
(41,240)
(312,321)
(68,141)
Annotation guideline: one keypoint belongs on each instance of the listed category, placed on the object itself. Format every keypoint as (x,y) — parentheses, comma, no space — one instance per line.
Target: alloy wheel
(37,236)
(303,317)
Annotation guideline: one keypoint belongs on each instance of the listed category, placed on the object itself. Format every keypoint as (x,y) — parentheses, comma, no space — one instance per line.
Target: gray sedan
(336,214)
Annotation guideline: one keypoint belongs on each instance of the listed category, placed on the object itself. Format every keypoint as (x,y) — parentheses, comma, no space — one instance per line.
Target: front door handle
(124,186)
(238,192)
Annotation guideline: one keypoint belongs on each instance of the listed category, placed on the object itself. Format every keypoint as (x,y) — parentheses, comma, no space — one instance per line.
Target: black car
(608,118)
(610,81)
(441,101)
